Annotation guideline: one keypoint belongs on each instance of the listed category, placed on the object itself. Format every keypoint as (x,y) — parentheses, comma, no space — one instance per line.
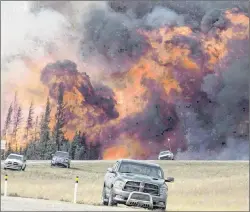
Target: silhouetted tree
(16,125)
(58,134)
(29,122)
(74,144)
(35,129)
(94,151)
(7,121)
(45,131)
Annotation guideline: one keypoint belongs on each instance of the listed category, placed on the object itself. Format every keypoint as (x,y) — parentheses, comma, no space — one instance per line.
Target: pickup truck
(136,183)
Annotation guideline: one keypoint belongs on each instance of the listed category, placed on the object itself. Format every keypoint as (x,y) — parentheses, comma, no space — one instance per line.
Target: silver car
(135,183)
(61,158)
(166,155)
(15,162)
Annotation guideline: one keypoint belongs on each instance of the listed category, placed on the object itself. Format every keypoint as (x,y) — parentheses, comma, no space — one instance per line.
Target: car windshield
(17,157)
(143,169)
(62,154)
(165,152)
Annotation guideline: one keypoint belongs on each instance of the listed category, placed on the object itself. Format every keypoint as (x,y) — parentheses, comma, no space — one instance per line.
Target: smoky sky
(108,30)
(108,37)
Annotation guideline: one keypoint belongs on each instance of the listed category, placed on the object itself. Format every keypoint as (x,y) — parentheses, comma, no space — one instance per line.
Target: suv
(60,158)
(166,155)
(15,161)
(135,183)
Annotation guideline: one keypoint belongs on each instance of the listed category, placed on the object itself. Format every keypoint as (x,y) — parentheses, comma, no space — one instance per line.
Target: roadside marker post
(5,185)
(75,191)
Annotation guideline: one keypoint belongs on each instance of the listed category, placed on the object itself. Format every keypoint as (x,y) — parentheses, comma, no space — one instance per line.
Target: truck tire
(104,198)
(24,168)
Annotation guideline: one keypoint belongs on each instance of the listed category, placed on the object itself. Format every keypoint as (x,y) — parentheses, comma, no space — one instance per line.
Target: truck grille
(151,189)
(15,163)
(132,186)
(139,196)
(142,187)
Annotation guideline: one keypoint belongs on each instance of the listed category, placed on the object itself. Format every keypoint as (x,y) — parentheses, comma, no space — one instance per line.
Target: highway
(152,161)
(28,204)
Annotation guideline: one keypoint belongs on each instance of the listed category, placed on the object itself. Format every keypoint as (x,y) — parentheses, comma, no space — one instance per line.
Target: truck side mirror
(110,170)
(169,180)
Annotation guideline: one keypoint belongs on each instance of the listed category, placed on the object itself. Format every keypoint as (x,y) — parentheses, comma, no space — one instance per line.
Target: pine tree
(50,149)
(81,147)
(7,121)
(60,119)
(15,108)
(74,144)
(45,131)
(9,149)
(29,122)
(35,129)
(16,125)
(14,117)
(33,151)
(94,151)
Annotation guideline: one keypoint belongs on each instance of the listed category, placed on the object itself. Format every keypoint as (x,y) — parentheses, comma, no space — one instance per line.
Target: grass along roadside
(198,186)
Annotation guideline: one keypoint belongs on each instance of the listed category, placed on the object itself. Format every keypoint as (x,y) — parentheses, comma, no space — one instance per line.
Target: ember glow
(136,112)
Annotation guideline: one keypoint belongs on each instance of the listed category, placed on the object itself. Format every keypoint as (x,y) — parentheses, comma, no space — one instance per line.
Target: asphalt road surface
(27,204)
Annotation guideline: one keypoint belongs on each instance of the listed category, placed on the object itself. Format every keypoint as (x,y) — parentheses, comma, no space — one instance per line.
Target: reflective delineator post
(75,191)
(5,185)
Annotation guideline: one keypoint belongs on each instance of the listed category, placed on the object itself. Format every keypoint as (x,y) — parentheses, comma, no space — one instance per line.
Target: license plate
(138,204)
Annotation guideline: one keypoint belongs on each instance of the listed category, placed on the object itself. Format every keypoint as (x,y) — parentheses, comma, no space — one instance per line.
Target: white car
(15,161)
(166,155)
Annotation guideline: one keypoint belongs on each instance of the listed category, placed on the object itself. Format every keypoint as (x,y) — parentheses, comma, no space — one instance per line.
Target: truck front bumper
(59,163)
(128,198)
(14,167)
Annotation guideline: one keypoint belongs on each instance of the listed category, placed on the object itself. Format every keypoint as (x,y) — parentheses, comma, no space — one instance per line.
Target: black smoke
(216,122)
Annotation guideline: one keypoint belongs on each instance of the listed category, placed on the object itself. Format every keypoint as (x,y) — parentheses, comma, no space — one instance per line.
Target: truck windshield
(17,157)
(165,152)
(143,169)
(62,154)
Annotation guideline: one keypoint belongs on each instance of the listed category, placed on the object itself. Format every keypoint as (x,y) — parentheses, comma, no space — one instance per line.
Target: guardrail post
(75,191)
(5,185)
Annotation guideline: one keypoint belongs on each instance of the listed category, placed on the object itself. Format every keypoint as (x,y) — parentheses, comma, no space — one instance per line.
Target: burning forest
(109,80)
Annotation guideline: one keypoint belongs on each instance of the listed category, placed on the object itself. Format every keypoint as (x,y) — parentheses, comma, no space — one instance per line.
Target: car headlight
(163,189)
(119,184)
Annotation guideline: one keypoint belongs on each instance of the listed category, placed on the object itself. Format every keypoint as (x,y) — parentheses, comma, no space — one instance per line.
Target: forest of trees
(41,141)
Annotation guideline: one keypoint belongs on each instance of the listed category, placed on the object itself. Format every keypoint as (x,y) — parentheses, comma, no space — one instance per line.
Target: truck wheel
(104,198)
(24,168)
(111,198)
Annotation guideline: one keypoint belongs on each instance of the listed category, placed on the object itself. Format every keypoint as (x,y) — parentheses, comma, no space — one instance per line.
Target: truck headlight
(119,184)
(163,189)
(66,160)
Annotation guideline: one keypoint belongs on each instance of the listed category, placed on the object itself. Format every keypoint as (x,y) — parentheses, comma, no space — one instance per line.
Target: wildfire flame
(172,68)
